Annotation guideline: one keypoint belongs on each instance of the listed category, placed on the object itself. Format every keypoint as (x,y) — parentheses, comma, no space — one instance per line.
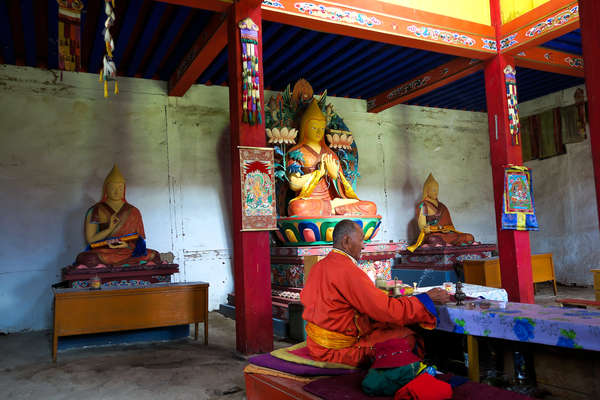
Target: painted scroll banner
(518,209)
(259,212)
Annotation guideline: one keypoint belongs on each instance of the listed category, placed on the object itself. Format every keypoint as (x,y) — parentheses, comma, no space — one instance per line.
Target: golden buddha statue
(435,224)
(321,189)
(114,229)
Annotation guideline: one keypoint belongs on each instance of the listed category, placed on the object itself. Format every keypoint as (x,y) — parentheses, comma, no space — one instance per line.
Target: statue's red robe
(340,297)
(131,222)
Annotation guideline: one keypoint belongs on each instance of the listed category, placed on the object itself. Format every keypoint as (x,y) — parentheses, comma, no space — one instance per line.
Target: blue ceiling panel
(569,42)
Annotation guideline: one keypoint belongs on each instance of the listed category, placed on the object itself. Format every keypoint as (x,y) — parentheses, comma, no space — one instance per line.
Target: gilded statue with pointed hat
(317,173)
(114,229)
(435,224)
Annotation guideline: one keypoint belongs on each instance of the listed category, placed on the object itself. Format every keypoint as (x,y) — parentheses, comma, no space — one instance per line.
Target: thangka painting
(258,189)
(513,106)
(518,210)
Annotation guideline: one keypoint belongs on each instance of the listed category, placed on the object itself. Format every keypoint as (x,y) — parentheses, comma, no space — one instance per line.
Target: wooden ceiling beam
(544,59)
(424,83)
(207,47)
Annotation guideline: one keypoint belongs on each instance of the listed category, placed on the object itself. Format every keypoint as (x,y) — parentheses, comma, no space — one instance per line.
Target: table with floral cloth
(550,325)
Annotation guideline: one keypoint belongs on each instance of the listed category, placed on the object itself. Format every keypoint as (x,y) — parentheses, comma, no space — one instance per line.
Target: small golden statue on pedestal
(435,224)
(114,229)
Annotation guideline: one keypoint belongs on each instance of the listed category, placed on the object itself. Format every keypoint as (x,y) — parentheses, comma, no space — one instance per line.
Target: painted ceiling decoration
(153,38)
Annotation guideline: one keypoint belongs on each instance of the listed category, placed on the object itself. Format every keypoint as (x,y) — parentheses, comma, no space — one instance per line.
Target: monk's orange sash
(329,339)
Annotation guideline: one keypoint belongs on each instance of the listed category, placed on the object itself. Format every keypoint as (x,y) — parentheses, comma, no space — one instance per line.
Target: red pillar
(589,15)
(251,250)
(513,246)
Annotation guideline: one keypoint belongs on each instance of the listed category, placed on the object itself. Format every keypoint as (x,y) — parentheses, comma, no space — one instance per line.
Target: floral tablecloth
(556,326)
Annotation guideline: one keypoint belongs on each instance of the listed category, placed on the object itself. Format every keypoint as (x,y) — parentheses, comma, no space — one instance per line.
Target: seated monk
(322,188)
(108,221)
(435,225)
(347,315)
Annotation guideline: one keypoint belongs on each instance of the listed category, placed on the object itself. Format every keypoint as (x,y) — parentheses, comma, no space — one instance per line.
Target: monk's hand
(427,229)
(438,296)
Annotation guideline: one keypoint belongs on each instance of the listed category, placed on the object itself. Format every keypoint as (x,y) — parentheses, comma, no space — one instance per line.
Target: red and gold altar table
(119,276)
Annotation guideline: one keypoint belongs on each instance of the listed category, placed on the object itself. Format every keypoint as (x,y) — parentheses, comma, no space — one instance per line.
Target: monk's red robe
(340,297)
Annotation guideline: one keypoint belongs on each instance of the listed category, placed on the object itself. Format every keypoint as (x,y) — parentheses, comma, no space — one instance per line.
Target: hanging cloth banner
(69,35)
(252,113)
(513,107)
(518,209)
(109,69)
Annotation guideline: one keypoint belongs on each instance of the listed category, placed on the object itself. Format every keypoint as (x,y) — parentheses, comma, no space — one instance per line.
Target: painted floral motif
(270,3)
(459,326)
(337,14)
(508,41)
(524,329)
(445,36)
(290,275)
(567,339)
(576,62)
(554,21)
(489,44)
(409,87)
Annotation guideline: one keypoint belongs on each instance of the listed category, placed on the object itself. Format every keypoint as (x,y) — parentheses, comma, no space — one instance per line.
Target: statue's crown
(114,176)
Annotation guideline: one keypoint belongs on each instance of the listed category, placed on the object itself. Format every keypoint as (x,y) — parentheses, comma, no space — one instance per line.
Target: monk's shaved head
(348,236)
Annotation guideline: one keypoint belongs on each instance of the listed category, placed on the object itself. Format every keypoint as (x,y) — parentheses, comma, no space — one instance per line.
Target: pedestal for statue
(119,276)
(431,266)
(290,265)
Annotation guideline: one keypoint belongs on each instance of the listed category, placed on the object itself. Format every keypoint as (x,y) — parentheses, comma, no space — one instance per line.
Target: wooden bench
(83,311)
(486,272)
(580,303)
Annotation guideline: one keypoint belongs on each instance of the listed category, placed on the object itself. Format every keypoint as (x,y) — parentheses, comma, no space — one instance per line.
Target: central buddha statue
(435,224)
(114,229)
(321,188)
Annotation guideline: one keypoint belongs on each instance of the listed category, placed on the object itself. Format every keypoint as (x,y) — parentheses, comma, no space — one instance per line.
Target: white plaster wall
(565,201)
(60,138)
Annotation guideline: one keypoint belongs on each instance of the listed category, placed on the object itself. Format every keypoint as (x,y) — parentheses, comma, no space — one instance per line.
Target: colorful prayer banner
(252,113)
(259,212)
(513,106)
(518,210)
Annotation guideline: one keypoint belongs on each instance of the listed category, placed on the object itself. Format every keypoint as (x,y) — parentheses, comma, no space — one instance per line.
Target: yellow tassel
(116,87)
(100,77)
(105,89)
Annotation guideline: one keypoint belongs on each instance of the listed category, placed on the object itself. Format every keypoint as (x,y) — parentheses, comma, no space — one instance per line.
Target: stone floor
(183,369)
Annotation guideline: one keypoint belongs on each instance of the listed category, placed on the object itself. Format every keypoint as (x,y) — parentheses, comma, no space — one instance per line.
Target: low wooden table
(487,272)
(83,311)
(596,273)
